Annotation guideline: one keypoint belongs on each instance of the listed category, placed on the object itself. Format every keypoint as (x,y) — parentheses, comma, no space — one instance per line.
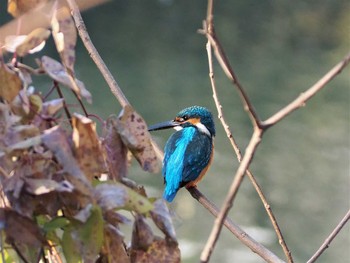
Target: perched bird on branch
(189,151)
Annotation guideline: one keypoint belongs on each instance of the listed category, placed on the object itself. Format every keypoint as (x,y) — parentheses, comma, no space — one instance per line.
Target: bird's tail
(169,194)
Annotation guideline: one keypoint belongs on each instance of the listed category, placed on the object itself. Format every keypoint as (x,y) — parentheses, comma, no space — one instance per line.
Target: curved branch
(112,83)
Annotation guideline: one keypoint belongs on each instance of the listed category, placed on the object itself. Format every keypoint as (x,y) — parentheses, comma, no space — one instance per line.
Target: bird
(188,153)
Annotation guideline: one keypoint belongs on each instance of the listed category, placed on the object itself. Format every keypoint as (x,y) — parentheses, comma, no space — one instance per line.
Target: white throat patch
(203,129)
(200,127)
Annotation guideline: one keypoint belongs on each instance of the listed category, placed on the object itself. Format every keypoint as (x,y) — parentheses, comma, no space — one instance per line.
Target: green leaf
(82,242)
(91,235)
(69,246)
(116,196)
(57,222)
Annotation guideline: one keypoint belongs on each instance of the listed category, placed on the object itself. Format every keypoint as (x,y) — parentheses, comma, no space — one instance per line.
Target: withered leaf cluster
(52,201)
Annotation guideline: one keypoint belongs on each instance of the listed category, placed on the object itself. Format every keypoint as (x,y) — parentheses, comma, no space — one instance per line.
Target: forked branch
(239,156)
(259,127)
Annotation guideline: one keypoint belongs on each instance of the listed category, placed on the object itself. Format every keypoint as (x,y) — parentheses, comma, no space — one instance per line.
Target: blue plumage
(174,163)
(188,152)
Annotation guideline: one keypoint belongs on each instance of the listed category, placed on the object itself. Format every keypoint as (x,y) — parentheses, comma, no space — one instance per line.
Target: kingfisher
(189,151)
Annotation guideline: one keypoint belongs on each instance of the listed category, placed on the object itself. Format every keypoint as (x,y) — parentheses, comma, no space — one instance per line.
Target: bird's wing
(174,160)
(198,154)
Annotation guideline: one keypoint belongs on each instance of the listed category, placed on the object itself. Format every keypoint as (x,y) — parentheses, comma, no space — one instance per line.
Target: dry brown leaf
(20,105)
(145,247)
(88,149)
(57,72)
(51,107)
(44,186)
(114,246)
(65,36)
(160,251)
(33,42)
(7,119)
(133,131)
(115,218)
(38,165)
(31,237)
(142,234)
(161,217)
(14,183)
(18,7)
(110,196)
(57,141)
(25,144)
(116,196)
(27,105)
(20,133)
(10,83)
(116,151)
(26,78)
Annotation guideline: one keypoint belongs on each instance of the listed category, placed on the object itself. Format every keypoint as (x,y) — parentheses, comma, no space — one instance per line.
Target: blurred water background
(278,49)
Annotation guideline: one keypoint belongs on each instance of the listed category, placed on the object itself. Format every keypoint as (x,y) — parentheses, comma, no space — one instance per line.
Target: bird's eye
(181,119)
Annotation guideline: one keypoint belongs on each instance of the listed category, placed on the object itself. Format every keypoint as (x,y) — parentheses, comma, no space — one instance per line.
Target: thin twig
(330,238)
(19,252)
(81,103)
(247,158)
(308,94)
(259,127)
(219,106)
(251,149)
(239,157)
(60,94)
(33,71)
(209,32)
(49,92)
(112,83)
(241,235)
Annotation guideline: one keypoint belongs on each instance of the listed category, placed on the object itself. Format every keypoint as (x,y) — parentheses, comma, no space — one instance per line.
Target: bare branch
(330,238)
(247,158)
(241,235)
(259,129)
(308,94)
(112,83)
(219,106)
(60,94)
(209,31)
(239,157)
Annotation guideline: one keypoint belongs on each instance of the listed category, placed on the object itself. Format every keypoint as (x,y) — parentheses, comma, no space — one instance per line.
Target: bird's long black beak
(163,125)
